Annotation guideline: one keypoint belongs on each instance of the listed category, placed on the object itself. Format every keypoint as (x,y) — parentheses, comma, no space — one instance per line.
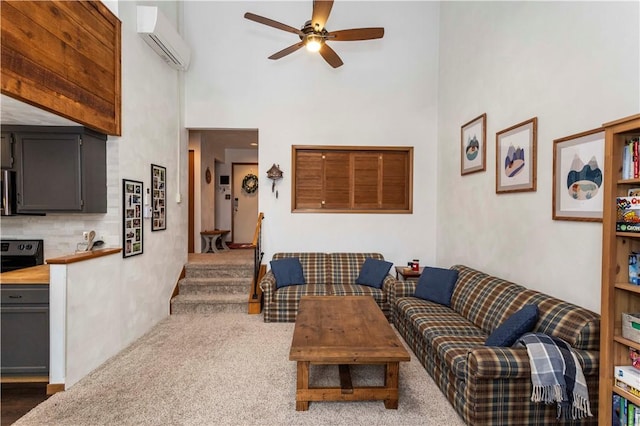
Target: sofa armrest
(268,286)
(490,362)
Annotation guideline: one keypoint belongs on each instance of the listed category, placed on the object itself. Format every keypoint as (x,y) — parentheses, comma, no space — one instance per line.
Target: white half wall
(575,66)
(385,94)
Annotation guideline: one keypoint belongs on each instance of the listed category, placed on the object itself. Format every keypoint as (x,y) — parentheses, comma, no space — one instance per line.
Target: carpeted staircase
(213,287)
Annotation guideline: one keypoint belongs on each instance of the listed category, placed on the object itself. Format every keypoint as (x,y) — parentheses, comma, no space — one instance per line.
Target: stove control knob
(21,247)
(29,246)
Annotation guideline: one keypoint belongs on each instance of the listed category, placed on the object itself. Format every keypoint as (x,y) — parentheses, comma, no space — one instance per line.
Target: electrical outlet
(85,236)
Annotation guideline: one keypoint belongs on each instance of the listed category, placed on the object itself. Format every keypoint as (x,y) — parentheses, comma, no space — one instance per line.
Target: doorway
(245,202)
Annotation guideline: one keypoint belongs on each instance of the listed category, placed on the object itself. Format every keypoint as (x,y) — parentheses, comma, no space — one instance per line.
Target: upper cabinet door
(50,173)
(6,155)
(64,57)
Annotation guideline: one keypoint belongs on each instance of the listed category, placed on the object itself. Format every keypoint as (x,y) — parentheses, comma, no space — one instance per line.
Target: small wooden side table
(407,273)
(210,240)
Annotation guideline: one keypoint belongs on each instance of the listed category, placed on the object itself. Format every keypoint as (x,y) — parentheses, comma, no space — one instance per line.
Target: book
(634,268)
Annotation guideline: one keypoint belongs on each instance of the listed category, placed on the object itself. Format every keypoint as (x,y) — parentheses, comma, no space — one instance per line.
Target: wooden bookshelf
(617,295)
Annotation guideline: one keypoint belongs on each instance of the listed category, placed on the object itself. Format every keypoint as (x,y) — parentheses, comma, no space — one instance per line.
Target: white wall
(384,94)
(574,65)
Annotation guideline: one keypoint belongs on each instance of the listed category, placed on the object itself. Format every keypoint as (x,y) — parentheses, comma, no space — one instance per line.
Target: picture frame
(473,146)
(516,157)
(132,229)
(578,176)
(158,198)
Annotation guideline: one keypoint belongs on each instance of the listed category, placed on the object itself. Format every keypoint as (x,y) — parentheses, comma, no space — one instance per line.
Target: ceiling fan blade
(272,23)
(285,52)
(356,34)
(321,11)
(330,56)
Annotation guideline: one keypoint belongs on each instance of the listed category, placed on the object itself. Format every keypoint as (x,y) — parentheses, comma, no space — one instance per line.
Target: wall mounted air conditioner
(163,38)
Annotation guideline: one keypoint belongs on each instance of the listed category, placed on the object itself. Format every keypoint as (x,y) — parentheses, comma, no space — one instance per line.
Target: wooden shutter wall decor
(336,179)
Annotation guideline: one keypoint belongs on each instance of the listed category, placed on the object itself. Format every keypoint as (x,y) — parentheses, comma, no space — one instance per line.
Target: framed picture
(516,157)
(132,195)
(473,146)
(578,162)
(158,198)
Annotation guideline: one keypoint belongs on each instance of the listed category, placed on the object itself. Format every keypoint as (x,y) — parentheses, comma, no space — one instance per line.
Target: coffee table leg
(391,380)
(303,384)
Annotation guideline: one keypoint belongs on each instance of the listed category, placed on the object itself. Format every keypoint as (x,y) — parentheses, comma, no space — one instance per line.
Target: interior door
(245,203)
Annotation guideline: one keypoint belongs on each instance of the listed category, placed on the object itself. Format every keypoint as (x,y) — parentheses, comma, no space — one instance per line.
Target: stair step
(207,303)
(215,285)
(219,271)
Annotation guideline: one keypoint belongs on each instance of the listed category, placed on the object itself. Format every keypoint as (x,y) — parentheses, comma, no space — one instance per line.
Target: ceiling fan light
(313,43)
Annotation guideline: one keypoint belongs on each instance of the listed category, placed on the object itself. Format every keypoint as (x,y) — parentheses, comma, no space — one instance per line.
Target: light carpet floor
(228,369)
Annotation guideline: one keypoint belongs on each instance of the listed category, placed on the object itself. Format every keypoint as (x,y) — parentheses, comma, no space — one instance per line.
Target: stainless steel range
(19,254)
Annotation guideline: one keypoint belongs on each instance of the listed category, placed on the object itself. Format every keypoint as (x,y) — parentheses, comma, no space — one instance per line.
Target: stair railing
(257,255)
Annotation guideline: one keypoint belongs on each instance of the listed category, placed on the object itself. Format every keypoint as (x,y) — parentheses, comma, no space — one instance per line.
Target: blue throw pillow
(288,271)
(436,285)
(373,272)
(513,327)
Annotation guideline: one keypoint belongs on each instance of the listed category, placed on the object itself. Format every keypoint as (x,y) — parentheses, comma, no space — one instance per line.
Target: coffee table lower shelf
(346,392)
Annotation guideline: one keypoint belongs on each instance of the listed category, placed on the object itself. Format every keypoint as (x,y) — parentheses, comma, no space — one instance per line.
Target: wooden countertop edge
(80,257)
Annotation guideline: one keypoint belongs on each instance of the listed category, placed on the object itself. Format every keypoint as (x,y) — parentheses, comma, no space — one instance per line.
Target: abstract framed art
(132,217)
(578,162)
(516,157)
(473,145)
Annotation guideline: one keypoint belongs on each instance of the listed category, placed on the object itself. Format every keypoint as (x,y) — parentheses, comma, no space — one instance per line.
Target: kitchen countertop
(40,274)
(33,275)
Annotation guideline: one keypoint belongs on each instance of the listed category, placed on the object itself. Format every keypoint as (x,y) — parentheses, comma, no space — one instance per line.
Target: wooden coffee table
(345,330)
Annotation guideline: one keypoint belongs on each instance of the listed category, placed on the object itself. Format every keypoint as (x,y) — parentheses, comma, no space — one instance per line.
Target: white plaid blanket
(556,375)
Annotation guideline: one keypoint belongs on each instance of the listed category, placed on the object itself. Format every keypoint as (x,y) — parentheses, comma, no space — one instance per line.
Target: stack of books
(630,159)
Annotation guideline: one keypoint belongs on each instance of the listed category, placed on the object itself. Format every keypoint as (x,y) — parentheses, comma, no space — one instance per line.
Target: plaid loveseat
(492,385)
(325,274)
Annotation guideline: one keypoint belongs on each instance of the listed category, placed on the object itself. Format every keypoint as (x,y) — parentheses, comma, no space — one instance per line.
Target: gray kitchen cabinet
(6,154)
(24,322)
(59,169)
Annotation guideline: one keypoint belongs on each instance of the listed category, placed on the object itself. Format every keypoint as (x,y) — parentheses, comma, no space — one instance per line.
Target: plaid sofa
(325,274)
(492,385)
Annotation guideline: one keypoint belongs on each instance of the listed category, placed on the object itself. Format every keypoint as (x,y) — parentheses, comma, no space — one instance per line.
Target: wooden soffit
(63,57)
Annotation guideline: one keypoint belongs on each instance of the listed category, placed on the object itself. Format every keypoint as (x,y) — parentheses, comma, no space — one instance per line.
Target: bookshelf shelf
(631,397)
(628,287)
(626,342)
(618,296)
(628,234)
(628,181)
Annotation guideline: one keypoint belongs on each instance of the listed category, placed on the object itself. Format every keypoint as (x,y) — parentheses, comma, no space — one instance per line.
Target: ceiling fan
(314,35)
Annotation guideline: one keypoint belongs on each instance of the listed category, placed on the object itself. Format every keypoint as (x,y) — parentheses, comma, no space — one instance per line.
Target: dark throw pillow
(436,285)
(373,272)
(288,271)
(513,327)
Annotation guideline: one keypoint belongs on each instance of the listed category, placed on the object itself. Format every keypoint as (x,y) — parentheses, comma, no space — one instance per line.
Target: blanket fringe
(548,394)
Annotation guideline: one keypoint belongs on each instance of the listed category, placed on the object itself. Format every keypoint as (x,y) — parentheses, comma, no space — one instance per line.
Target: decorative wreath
(250,183)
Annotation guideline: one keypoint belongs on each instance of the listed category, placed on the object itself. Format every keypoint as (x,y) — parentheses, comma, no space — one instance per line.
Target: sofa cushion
(436,285)
(288,272)
(345,267)
(483,299)
(373,272)
(513,327)
(314,265)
